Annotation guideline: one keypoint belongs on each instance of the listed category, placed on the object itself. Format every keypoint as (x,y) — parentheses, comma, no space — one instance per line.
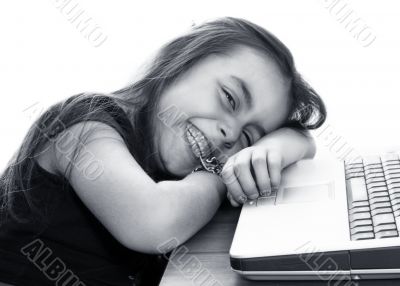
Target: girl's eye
(230,98)
(248,139)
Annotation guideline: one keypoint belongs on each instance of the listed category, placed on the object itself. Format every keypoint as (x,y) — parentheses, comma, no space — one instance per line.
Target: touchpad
(304,194)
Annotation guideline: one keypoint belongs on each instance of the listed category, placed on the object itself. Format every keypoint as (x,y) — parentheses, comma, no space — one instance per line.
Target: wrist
(204,179)
(292,144)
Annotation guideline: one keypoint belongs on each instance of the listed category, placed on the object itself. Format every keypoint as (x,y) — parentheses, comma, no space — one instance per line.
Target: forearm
(189,203)
(293,144)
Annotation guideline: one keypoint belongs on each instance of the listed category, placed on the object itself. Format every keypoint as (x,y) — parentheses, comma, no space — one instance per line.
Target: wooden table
(204,259)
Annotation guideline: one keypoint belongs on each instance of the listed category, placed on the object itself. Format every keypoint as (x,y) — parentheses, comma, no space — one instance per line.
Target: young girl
(101,181)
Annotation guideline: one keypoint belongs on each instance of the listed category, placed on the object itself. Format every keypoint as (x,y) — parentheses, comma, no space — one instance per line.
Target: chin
(177,162)
(177,169)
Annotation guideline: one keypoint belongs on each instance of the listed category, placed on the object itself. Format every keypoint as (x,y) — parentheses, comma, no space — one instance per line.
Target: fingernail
(242,199)
(253,197)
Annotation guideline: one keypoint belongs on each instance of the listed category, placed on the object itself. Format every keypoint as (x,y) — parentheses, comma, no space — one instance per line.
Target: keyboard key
(355,172)
(381,205)
(376,179)
(394,196)
(384,227)
(378,167)
(391,166)
(394,190)
(393,185)
(360,209)
(382,211)
(356,191)
(382,219)
(397,214)
(361,222)
(357,160)
(395,202)
(393,171)
(389,157)
(386,234)
(373,166)
(363,228)
(363,235)
(359,216)
(353,163)
(353,167)
(354,175)
(393,180)
(398,223)
(380,200)
(377,184)
(374,172)
(371,160)
(392,176)
(359,204)
(378,194)
(396,208)
(377,189)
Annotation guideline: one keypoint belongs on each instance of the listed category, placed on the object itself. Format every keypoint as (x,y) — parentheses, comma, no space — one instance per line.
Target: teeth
(198,142)
(193,145)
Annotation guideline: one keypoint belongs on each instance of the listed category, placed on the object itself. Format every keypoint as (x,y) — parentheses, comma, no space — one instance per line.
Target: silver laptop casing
(306,219)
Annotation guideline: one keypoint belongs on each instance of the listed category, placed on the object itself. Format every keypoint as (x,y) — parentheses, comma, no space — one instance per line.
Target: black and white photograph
(199,143)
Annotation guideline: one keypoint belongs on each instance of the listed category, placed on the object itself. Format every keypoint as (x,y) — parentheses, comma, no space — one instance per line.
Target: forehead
(266,84)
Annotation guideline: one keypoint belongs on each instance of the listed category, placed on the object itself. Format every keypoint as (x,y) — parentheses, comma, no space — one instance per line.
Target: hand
(252,172)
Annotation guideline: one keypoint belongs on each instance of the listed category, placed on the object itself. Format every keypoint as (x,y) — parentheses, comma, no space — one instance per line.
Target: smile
(199,143)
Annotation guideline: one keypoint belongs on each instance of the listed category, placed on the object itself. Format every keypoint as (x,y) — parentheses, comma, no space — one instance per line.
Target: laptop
(329,220)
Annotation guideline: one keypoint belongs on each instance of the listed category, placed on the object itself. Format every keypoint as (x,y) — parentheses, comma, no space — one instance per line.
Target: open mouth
(201,148)
(200,145)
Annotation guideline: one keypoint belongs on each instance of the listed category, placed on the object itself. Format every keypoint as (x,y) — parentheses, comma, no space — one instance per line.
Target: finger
(232,201)
(242,168)
(232,184)
(260,168)
(274,168)
(227,173)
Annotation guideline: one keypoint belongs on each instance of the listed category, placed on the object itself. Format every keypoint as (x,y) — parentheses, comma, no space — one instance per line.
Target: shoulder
(86,131)
(77,141)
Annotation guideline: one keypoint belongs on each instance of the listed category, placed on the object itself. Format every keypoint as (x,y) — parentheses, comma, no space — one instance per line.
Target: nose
(230,133)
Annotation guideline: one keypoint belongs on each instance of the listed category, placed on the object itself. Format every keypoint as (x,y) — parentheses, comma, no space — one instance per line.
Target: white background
(44,58)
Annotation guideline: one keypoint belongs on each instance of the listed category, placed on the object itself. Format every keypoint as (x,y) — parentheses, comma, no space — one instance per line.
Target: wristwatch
(211,165)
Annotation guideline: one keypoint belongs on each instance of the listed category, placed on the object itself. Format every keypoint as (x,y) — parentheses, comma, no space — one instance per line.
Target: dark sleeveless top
(73,246)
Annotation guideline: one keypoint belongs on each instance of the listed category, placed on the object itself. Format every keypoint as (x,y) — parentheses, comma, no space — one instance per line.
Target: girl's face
(224,103)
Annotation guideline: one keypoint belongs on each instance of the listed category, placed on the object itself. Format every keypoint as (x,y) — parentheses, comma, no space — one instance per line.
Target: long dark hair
(139,101)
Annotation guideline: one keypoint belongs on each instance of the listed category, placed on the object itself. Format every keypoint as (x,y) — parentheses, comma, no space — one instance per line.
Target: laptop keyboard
(373,196)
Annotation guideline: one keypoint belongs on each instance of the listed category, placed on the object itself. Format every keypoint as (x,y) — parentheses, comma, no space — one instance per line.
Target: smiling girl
(102,181)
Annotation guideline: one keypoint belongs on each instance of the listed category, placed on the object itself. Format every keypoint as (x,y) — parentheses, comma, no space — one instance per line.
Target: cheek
(192,97)
(174,153)
(280,113)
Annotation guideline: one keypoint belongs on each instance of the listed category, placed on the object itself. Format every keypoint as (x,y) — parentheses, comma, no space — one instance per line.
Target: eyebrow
(245,91)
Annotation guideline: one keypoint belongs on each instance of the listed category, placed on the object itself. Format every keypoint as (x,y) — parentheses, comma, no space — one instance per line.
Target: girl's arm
(294,144)
(254,171)
(139,213)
